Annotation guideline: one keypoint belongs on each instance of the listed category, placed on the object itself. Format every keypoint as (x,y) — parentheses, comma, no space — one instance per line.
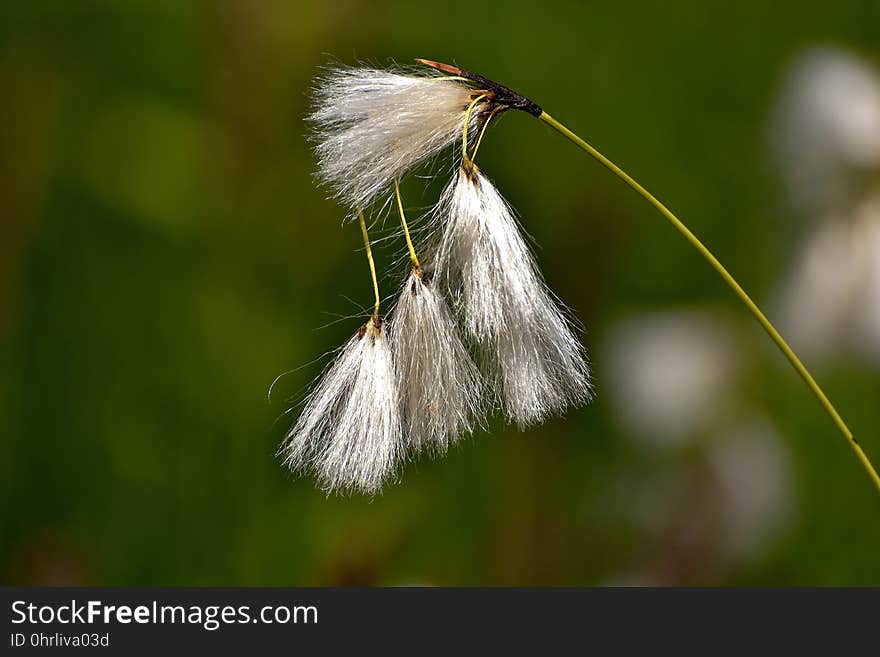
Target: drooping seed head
(440,386)
(349,431)
(528,343)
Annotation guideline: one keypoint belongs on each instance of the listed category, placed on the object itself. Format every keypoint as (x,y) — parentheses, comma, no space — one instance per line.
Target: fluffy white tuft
(372,126)
(440,386)
(536,363)
(349,431)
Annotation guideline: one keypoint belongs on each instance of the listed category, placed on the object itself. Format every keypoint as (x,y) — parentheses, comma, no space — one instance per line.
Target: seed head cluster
(475,326)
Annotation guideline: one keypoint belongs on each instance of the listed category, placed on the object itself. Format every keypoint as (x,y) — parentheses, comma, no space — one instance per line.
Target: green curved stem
(736,287)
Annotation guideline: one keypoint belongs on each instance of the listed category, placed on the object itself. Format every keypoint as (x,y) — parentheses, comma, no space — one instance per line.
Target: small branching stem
(482,132)
(369,251)
(413,258)
(464,130)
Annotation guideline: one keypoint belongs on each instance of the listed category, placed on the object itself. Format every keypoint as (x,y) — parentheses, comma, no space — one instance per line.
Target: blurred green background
(164,255)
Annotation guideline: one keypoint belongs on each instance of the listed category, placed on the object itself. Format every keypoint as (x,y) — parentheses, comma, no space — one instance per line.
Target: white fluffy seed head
(533,358)
(372,126)
(440,386)
(349,432)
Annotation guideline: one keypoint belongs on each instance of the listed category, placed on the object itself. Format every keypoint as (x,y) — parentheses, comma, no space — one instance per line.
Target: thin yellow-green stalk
(413,258)
(369,251)
(734,285)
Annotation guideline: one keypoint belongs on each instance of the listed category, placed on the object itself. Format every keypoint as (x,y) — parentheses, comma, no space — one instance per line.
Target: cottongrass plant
(419,390)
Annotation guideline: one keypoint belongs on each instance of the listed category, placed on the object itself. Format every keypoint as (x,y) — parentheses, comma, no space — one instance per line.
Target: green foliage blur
(165,254)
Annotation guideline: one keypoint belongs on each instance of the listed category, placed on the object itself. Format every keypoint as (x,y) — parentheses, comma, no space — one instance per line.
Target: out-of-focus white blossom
(669,374)
(826,129)
(706,517)
(752,471)
(827,133)
(830,299)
